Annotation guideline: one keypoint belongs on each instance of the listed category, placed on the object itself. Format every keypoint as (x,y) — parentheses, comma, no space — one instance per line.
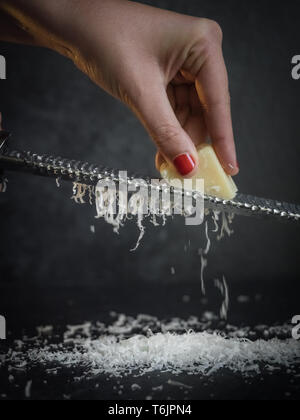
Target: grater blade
(89,174)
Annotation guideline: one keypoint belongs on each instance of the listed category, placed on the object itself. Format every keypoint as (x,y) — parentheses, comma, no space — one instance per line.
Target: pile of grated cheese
(145,344)
(193,353)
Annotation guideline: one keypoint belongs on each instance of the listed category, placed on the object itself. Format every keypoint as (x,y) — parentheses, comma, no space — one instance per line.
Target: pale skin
(168,68)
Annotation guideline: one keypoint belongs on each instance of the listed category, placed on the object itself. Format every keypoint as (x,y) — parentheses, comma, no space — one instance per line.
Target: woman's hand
(168,68)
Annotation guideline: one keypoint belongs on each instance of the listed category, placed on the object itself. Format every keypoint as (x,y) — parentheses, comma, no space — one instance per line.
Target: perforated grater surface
(89,174)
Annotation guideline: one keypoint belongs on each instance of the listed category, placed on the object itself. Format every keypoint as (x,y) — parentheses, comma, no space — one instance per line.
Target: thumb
(155,111)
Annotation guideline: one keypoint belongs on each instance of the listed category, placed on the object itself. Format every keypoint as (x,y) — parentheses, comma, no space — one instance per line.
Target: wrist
(46,24)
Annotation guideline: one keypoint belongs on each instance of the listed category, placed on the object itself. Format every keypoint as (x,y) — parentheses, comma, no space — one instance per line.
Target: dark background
(53,268)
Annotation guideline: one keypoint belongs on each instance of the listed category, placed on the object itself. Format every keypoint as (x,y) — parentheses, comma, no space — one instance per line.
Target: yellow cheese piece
(216,182)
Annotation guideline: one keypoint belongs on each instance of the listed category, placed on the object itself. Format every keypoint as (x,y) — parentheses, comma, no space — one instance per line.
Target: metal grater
(89,174)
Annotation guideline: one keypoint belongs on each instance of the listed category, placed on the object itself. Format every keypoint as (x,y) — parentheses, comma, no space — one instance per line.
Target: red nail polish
(184,164)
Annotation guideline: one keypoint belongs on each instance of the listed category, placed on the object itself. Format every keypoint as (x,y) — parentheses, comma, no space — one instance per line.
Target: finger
(182,108)
(159,161)
(212,88)
(181,79)
(175,145)
(196,125)
(187,100)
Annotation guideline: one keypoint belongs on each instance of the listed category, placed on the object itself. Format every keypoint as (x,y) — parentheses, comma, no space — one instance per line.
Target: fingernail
(184,164)
(233,167)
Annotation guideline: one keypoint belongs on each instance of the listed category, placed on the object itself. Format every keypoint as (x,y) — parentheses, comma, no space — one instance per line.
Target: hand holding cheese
(216,182)
(167,67)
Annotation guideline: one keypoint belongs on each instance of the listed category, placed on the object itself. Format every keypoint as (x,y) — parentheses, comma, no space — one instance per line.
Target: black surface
(76,305)
(222,386)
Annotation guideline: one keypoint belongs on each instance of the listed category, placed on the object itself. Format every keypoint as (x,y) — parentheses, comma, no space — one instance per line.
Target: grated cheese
(28,389)
(115,210)
(204,263)
(3,185)
(222,286)
(146,344)
(179,384)
(195,353)
(207,249)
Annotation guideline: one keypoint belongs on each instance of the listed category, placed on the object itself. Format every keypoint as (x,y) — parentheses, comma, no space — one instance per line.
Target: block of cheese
(216,182)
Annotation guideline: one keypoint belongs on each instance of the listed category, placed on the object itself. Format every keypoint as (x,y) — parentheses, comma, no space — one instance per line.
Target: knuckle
(206,41)
(213,31)
(207,32)
(220,140)
(165,135)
